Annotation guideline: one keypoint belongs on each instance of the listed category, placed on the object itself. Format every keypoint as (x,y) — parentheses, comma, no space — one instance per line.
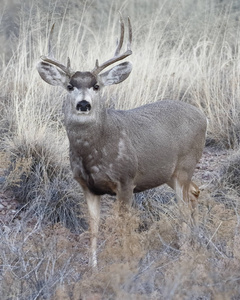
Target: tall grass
(182,50)
(175,56)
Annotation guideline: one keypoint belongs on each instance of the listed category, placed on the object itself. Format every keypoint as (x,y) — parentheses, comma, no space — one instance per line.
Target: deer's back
(166,135)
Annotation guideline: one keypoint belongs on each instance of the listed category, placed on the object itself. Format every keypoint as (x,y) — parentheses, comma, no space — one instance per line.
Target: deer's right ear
(117,74)
(52,75)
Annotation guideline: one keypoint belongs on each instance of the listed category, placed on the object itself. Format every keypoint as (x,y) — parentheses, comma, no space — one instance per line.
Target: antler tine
(50,59)
(54,62)
(50,50)
(129,34)
(120,42)
(68,63)
(117,56)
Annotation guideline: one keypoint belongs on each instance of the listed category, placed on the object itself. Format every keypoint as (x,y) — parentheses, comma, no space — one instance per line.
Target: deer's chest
(100,170)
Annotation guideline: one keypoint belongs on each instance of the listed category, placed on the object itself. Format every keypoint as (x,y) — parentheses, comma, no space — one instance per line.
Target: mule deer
(121,152)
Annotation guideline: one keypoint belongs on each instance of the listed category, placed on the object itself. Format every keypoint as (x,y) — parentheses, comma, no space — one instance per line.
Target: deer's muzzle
(83,106)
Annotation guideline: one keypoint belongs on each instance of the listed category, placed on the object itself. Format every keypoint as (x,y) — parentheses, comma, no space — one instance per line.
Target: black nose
(83,105)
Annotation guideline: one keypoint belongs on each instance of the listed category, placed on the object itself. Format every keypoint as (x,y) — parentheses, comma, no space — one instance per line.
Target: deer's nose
(83,106)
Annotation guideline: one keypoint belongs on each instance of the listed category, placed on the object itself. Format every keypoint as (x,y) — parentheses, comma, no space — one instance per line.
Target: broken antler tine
(120,41)
(129,35)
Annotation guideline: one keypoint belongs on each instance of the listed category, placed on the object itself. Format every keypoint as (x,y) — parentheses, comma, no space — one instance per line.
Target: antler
(117,56)
(50,59)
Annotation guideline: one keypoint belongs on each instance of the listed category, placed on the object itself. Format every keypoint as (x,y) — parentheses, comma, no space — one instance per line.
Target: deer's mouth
(83,106)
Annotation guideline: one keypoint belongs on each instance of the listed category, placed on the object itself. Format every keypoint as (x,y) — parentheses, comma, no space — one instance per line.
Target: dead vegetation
(50,262)
(188,51)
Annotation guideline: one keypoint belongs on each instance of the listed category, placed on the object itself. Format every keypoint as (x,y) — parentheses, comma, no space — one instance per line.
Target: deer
(122,152)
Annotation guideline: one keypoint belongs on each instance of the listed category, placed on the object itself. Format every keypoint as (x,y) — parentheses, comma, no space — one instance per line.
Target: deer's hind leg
(187,193)
(191,195)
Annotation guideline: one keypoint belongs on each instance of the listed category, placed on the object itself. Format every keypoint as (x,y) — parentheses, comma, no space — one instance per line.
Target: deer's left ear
(117,74)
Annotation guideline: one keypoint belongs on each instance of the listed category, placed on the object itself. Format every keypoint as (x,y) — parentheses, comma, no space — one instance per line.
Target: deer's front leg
(93,203)
(125,196)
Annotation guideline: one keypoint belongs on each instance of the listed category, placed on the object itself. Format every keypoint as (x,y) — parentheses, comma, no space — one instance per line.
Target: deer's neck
(102,132)
(85,130)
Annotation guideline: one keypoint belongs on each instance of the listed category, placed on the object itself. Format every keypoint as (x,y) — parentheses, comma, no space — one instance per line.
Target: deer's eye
(96,87)
(70,87)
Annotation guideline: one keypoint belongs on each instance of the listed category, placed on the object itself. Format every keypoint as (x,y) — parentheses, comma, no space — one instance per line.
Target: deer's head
(84,87)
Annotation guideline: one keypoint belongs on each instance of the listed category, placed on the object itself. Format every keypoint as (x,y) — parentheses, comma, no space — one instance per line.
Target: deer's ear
(52,75)
(117,74)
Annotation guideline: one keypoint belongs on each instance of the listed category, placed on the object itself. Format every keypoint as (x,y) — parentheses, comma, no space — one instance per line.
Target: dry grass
(51,262)
(185,50)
